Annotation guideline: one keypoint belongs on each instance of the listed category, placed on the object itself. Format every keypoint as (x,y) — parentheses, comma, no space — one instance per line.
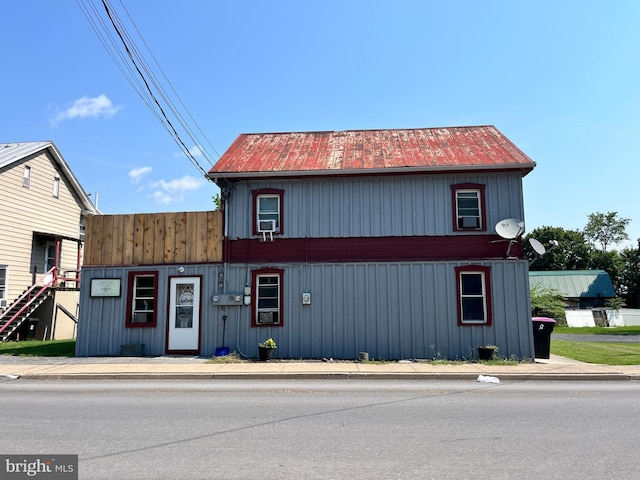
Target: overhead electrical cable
(176,136)
(114,52)
(172,88)
(132,64)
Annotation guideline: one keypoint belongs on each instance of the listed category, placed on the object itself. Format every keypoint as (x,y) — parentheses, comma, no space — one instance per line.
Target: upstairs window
(56,187)
(26,177)
(266,305)
(3,282)
(468,207)
(267,211)
(142,299)
(474,295)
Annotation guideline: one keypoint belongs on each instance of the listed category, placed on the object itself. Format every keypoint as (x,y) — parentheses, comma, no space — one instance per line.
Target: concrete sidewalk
(136,368)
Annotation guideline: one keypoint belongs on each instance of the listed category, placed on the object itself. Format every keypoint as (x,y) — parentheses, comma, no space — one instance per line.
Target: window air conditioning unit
(265,318)
(268,226)
(470,222)
(4,302)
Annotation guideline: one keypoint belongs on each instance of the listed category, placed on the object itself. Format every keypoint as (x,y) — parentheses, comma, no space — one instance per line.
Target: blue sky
(559,78)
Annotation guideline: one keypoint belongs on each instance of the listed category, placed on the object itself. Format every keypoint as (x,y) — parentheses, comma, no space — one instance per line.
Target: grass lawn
(598,330)
(598,352)
(39,348)
(605,353)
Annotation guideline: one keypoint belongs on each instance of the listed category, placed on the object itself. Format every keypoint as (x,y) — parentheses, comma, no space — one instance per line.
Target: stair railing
(50,279)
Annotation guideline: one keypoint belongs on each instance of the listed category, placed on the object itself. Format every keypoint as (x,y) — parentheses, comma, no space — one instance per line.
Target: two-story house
(338,243)
(42,210)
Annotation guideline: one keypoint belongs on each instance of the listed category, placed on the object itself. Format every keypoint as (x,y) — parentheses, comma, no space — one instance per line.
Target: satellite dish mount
(510,229)
(540,249)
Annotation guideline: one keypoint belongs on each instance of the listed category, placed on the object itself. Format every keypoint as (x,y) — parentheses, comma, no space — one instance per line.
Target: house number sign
(105,287)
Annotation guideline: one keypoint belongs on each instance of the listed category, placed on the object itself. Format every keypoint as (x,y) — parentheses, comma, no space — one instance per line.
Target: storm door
(184,315)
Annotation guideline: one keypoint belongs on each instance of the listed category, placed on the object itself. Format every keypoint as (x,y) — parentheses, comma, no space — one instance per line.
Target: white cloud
(84,107)
(137,173)
(195,151)
(174,190)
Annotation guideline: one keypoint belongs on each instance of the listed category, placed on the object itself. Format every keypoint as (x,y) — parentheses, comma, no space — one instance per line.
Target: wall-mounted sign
(105,287)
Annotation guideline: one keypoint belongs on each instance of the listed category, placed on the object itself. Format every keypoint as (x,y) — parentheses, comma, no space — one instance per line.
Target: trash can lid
(543,319)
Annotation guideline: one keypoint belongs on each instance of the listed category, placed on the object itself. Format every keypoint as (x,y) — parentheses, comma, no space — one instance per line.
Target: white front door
(184,314)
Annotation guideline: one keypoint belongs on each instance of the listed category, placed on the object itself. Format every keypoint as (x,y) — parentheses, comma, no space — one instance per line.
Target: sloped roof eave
(31,148)
(525,169)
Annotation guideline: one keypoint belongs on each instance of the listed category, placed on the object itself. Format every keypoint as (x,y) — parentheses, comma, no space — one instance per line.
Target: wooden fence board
(128,239)
(181,238)
(107,241)
(158,235)
(117,250)
(153,239)
(149,239)
(138,239)
(93,237)
(169,238)
(201,238)
(214,242)
(191,238)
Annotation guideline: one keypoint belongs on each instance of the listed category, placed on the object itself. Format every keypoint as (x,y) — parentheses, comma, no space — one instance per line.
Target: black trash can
(542,328)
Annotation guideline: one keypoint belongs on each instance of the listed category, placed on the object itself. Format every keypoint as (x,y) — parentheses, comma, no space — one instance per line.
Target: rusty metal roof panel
(369,151)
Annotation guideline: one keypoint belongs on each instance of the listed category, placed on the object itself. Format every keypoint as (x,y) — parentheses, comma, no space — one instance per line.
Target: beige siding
(63,326)
(34,209)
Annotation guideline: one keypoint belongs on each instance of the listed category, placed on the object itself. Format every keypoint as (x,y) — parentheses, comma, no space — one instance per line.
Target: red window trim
(487,291)
(266,191)
(130,285)
(483,211)
(254,296)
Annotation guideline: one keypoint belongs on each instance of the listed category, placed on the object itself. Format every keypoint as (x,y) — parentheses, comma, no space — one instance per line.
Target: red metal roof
(370,151)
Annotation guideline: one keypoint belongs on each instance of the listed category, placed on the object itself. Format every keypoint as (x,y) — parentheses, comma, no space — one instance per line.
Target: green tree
(630,281)
(606,229)
(572,253)
(612,263)
(217,200)
(546,302)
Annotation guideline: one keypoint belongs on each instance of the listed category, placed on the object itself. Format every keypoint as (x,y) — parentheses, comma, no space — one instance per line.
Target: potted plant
(266,349)
(487,352)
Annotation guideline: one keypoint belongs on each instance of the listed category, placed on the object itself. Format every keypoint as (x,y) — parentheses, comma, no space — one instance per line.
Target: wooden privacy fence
(153,238)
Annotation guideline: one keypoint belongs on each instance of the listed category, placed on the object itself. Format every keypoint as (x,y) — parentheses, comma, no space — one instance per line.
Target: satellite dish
(537,246)
(510,228)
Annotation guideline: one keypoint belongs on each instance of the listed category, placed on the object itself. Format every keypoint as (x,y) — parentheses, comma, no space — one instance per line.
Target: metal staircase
(22,308)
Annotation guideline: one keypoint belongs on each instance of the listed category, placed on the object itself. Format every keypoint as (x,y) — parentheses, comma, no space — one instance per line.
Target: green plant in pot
(487,352)
(266,349)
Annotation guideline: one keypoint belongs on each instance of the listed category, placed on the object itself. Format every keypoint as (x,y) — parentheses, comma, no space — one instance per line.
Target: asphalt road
(327,429)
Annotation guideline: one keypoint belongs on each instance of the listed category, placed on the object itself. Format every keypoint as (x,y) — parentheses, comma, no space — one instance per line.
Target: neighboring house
(585,293)
(579,288)
(334,244)
(42,207)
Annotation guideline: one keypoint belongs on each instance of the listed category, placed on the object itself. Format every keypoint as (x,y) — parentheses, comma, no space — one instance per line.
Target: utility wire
(131,63)
(172,88)
(176,136)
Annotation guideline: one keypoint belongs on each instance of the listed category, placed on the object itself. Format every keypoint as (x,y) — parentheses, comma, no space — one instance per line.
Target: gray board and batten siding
(374,206)
(390,310)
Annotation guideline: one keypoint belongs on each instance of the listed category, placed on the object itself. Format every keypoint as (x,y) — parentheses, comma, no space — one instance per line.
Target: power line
(123,51)
(170,84)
